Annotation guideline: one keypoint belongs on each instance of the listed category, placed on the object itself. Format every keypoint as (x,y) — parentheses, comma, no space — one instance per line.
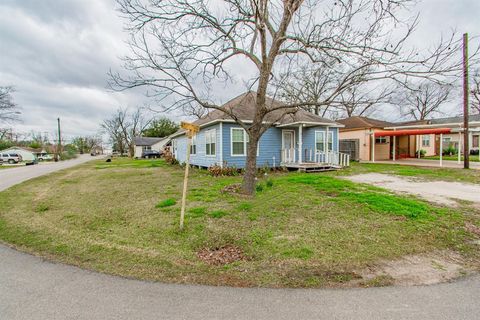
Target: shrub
(422,153)
(450,151)
(474,152)
(166,203)
(217,171)
(169,158)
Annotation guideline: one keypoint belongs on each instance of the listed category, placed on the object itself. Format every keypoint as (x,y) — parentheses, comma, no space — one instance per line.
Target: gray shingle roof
(357,122)
(243,107)
(146,141)
(459,119)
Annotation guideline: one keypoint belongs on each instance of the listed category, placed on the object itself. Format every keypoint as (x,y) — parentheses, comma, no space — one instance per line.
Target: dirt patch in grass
(440,192)
(422,269)
(221,256)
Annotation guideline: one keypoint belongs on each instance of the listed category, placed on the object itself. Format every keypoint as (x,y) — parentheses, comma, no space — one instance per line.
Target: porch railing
(312,156)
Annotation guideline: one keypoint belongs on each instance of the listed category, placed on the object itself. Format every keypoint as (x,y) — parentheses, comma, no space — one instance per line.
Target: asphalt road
(12,176)
(32,288)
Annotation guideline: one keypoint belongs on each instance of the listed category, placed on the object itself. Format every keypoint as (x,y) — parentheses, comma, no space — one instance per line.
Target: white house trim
(221,145)
(244,154)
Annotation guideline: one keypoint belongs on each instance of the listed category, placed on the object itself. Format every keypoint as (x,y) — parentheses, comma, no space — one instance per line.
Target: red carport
(409,132)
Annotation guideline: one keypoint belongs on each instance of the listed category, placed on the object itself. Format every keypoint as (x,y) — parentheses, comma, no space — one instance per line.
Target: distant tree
(422,101)
(123,126)
(475,93)
(9,110)
(86,144)
(160,128)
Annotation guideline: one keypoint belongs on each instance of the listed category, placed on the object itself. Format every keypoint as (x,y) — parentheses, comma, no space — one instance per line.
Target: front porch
(313,160)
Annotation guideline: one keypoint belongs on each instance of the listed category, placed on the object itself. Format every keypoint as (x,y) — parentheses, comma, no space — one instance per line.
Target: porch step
(313,167)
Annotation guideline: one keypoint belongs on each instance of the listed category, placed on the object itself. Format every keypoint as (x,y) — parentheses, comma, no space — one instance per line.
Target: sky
(57,55)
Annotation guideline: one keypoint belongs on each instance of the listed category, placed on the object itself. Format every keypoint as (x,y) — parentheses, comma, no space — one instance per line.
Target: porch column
(325,145)
(441,149)
(300,143)
(459,147)
(394,146)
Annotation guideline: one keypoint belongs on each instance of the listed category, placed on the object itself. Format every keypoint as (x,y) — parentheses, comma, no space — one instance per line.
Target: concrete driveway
(32,288)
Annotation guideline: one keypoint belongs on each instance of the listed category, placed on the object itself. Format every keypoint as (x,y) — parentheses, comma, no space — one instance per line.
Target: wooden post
(191,131)
(466,94)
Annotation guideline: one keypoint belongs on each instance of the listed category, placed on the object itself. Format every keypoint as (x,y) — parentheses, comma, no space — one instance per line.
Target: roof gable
(358,122)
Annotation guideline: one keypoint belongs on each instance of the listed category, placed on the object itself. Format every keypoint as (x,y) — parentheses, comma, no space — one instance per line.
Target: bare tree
(475,93)
(423,101)
(123,126)
(9,110)
(180,49)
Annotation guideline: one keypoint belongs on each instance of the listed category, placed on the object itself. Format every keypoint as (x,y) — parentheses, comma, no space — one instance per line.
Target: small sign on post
(191,130)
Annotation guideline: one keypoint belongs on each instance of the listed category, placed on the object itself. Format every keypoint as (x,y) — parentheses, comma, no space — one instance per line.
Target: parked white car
(11,157)
(44,157)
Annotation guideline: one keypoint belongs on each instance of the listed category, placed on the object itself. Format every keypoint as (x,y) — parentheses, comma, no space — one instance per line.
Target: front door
(288,147)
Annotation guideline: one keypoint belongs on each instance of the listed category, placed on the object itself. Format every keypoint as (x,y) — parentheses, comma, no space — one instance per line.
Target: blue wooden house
(300,140)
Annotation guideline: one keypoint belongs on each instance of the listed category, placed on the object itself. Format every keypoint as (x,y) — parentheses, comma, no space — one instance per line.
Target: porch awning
(411,132)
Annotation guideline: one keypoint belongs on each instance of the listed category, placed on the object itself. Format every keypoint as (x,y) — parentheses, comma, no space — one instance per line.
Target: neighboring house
(27,154)
(297,140)
(149,143)
(455,138)
(355,138)
(403,140)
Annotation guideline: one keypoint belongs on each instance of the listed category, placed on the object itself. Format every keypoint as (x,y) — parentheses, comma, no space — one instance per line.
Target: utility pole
(466,146)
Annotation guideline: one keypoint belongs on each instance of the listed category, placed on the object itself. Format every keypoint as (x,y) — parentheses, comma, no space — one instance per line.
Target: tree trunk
(248,186)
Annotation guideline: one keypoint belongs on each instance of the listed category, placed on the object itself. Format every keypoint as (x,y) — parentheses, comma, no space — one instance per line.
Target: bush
(450,151)
(474,152)
(217,171)
(169,158)
(422,153)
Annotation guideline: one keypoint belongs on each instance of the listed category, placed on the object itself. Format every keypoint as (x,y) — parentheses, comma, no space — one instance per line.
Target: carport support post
(418,148)
(373,146)
(394,146)
(441,149)
(459,147)
(185,179)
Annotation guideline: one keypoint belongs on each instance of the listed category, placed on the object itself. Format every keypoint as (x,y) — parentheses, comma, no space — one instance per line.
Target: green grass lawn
(473,158)
(425,173)
(301,230)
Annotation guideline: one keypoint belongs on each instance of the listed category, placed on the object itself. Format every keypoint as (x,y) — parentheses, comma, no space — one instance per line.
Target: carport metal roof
(409,132)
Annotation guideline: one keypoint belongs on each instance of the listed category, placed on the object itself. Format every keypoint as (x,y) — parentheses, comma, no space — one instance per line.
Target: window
(146,148)
(380,140)
(239,142)
(330,141)
(193,146)
(210,142)
(426,140)
(319,141)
